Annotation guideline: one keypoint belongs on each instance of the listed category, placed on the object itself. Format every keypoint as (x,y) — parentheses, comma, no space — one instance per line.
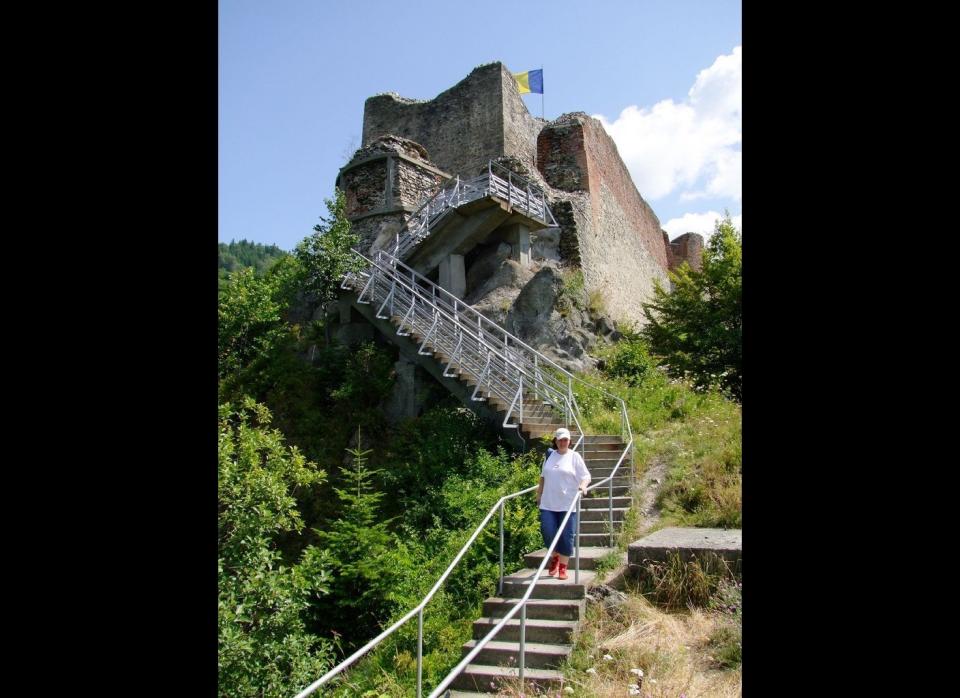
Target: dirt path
(649,486)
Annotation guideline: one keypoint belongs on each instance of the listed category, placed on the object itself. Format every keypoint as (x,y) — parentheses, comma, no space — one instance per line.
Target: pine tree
(364,556)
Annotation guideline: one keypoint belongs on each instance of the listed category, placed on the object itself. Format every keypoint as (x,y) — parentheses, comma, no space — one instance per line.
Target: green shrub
(631,361)
(264,647)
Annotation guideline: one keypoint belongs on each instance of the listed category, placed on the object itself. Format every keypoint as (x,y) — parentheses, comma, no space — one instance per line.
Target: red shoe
(554,561)
(562,572)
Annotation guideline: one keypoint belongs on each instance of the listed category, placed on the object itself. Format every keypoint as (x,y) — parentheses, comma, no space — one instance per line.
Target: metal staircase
(499,183)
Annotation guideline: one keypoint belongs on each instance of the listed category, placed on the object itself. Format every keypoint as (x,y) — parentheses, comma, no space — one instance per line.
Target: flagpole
(542,90)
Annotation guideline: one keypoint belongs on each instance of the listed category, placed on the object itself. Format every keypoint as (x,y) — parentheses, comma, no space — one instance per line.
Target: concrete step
(467,694)
(536,431)
(547,631)
(595,447)
(604,491)
(606,459)
(536,655)
(590,527)
(515,585)
(605,439)
(601,514)
(596,539)
(554,420)
(588,503)
(543,609)
(589,556)
(486,678)
(598,473)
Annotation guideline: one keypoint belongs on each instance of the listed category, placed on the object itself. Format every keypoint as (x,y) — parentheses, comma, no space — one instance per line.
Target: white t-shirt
(562,476)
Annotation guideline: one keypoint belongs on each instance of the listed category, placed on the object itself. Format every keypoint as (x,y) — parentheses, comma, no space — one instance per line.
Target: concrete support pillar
(453,278)
(343,305)
(518,236)
(402,401)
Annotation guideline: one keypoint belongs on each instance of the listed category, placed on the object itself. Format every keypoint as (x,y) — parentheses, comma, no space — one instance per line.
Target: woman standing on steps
(564,474)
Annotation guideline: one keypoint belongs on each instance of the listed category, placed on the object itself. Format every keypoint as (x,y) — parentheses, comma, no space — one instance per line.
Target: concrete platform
(726,543)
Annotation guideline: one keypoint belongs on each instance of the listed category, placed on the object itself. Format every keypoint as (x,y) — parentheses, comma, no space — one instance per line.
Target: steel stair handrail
(498,182)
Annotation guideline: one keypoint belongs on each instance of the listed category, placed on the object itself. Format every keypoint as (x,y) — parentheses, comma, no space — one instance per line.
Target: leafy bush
(631,361)
(263,646)
(696,329)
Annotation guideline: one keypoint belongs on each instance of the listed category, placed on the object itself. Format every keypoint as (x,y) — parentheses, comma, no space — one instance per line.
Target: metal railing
(509,369)
(462,332)
(499,182)
(499,363)
(521,605)
(418,609)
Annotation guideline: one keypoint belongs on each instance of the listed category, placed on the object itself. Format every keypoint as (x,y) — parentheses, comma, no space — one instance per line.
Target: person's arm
(540,491)
(582,473)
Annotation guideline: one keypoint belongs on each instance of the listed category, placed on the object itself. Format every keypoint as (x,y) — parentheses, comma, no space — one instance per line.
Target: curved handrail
(522,603)
(416,609)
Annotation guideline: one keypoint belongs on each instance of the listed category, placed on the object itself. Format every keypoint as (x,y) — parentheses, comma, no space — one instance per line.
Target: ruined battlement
(476,120)
(685,248)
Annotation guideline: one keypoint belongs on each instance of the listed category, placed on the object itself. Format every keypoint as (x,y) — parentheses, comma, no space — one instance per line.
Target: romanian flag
(530,81)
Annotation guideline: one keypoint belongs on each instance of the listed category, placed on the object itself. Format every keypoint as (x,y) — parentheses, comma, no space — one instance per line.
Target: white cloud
(702,223)
(694,145)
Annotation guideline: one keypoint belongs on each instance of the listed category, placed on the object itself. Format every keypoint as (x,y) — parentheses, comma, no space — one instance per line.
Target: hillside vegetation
(333,523)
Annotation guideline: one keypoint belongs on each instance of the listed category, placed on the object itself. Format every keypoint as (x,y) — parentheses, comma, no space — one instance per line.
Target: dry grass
(672,650)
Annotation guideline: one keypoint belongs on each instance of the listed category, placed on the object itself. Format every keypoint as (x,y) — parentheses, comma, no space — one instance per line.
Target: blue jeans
(550,522)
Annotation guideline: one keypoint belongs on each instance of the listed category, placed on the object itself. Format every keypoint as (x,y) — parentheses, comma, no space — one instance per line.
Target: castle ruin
(508,265)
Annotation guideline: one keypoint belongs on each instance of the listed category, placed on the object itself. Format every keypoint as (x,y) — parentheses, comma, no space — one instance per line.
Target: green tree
(326,255)
(251,312)
(365,557)
(696,330)
(264,648)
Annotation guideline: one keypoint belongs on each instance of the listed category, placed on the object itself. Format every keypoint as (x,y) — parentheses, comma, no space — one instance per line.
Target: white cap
(562,433)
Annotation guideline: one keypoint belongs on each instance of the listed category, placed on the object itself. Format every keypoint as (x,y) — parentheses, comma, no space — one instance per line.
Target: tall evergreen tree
(364,556)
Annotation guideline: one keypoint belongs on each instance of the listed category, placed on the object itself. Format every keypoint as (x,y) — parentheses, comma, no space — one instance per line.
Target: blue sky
(294,74)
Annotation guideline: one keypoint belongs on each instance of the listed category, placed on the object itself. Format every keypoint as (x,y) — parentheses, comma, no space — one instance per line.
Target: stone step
(536,655)
(547,631)
(515,585)
(544,609)
(487,678)
(589,557)
(467,694)
(602,515)
(588,503)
